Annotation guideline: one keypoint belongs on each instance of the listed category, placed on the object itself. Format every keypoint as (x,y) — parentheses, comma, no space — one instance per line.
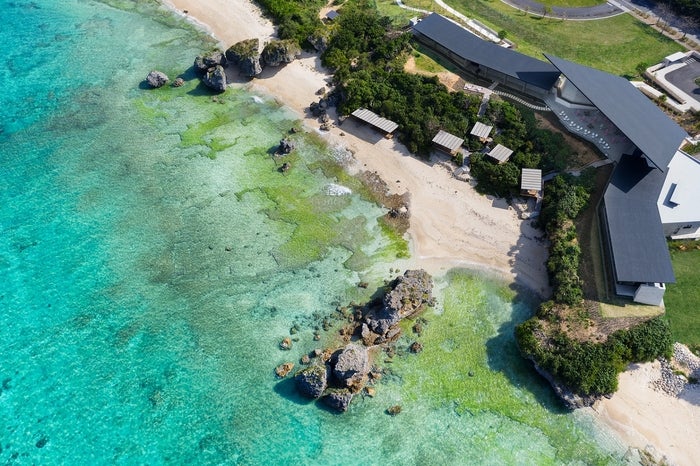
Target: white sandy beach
(452,225)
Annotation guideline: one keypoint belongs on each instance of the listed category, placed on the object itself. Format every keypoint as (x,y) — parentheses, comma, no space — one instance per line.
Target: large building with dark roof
(648,197)
(490,61)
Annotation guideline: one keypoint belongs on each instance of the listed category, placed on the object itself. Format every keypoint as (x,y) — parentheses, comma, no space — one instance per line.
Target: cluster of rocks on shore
(337,375)
(245,55)
(673,383)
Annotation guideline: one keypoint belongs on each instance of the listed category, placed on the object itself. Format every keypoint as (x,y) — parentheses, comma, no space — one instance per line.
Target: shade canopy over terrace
(501,153)
(375,120)
(531,180)
(447,141)
(481,130)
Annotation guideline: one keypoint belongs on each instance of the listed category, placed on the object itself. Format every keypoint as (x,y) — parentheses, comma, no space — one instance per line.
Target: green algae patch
(470,361)
(196,133)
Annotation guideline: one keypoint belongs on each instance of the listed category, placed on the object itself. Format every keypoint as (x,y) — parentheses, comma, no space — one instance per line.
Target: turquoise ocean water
(152,257)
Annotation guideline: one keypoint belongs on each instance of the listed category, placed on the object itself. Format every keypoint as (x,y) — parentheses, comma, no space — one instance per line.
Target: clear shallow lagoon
(152,257)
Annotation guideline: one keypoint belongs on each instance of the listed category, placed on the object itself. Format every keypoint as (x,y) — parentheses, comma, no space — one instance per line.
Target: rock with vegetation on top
(246,55)
(203,63)
(312,381)
(157,79)
(338,398)
(277,52)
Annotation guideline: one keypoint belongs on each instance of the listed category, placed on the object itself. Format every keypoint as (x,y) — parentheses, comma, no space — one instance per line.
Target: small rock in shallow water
(283,369)
(416,347)
(394,410)
(42,442)
(286,344)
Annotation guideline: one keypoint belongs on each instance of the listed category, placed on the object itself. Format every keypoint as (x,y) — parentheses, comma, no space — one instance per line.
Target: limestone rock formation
(157,79)
(277,52)
(351,366)
(286,146)
(338,398)
(245,54)
(283,369)
(215,78)
(203,63)
(312,381)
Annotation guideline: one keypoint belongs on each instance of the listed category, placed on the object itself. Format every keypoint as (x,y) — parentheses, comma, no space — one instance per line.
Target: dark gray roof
(654,133)
(470,47)
(639,249)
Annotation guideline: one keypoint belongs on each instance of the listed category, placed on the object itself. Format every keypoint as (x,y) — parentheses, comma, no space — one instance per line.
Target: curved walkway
(605,10)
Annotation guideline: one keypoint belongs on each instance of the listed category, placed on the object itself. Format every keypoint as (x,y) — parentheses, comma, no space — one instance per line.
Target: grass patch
(683,297)
(616,45)
(623,308)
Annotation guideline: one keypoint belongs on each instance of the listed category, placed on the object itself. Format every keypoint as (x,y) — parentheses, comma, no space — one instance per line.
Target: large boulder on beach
(338,398)
(204,63)
(277,52)
(312,381)
(351,366)
(215,78)
(246,55)
(157,79)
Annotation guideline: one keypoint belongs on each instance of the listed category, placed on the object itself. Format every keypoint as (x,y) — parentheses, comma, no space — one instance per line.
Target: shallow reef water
(153,256)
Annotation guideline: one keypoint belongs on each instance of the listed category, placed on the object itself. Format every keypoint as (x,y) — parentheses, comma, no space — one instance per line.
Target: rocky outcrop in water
(286,146)
(336,376)
(245,54)
(312,381)
(409,295)
(157,79)
(338,399)
(277,52)
(215,78)
(351,366)
(210,68)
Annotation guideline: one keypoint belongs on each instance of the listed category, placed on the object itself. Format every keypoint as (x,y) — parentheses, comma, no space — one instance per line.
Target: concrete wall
(679,230)
(652,294)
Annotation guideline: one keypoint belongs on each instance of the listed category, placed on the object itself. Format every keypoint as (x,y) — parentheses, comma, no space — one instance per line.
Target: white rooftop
(375,120)
(531,179)
(481,130)
(500,153)
(447,140)
(679,200)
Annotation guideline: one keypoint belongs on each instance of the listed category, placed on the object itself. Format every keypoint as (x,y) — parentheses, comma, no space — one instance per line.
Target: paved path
(605,10)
